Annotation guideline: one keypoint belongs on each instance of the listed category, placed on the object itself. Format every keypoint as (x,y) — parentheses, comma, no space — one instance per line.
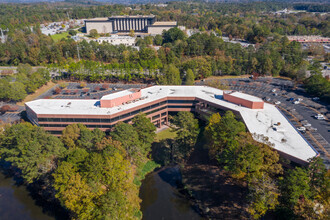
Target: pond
(159,193)
(161,198)
(16,202)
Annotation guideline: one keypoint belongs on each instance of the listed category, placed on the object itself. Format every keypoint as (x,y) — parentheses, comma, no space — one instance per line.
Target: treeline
(233,19)
(26,81)
(92,175)
(318,86)
(298,193)
(206,54)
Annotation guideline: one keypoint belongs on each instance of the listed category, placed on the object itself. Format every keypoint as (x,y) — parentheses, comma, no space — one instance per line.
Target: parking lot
(11,116)
(90,91)
(283,93)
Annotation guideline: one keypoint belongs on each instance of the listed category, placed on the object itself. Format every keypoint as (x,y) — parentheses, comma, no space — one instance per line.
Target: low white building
(160,26)
(117,40)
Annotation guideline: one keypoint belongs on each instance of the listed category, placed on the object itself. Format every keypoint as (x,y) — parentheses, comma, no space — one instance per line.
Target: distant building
(124,24)
(117,40)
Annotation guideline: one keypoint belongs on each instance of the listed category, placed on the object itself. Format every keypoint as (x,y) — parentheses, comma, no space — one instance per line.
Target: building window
(180,106)
(181,101)
(155,117)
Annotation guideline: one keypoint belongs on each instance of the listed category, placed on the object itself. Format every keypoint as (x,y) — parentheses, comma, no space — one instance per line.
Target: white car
(296,102)
(274,90)
(301,129)
(316,98)
(319,117)
(307,125)
(277,102)
(312,129)
(300,99)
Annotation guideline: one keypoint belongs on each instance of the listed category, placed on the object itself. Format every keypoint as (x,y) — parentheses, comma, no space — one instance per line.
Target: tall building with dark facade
(124,24)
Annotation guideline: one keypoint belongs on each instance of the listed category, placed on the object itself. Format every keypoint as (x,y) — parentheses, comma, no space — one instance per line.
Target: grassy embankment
(58,37)
(37,93)
(150,165)
(165,134)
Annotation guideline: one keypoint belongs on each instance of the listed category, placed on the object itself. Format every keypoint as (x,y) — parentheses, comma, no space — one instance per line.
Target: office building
(261,119)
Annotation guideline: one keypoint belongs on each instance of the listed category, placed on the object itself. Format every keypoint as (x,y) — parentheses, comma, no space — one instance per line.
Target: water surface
(161,199)
(16,202)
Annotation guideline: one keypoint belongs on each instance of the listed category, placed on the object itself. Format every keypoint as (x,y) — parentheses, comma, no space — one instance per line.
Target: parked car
(312,129)
(296,102)
(274,90)
(301,129)
(307,125)
(316,98)
(299,99)
(319,117)
(290,99)
(277,102)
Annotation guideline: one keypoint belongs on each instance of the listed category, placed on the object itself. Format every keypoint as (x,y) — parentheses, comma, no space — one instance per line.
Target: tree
(131,33)
(4,109)
(222,132)
(74,192)
(145,129)
(158,40)
(17,91)
(263,195)
(82,85)
(172,35)
(317,85)
(70,135)
(295,185)
(171,76)
(190,77)
(128,136)
(93,33)
(187,129)
(31,149)
(72,32)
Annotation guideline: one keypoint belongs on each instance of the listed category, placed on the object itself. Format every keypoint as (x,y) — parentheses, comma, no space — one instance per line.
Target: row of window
(102,126)
(178,106)
(104,120)
(98,120)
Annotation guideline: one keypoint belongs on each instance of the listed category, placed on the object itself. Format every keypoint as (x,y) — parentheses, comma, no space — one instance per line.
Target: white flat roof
(258,121)
(164,23)
(246,96)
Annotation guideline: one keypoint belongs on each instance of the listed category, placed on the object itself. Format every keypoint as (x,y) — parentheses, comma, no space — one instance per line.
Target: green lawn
(165,134)
(144,170)
(57,37)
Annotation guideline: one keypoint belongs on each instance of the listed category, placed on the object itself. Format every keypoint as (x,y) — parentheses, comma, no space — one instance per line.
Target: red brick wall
(243,102)
(120,100)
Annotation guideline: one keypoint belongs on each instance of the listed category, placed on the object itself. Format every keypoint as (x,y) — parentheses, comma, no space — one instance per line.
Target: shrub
(105,86)
(82,85)
(4,109)
(63,85)
(58,90)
